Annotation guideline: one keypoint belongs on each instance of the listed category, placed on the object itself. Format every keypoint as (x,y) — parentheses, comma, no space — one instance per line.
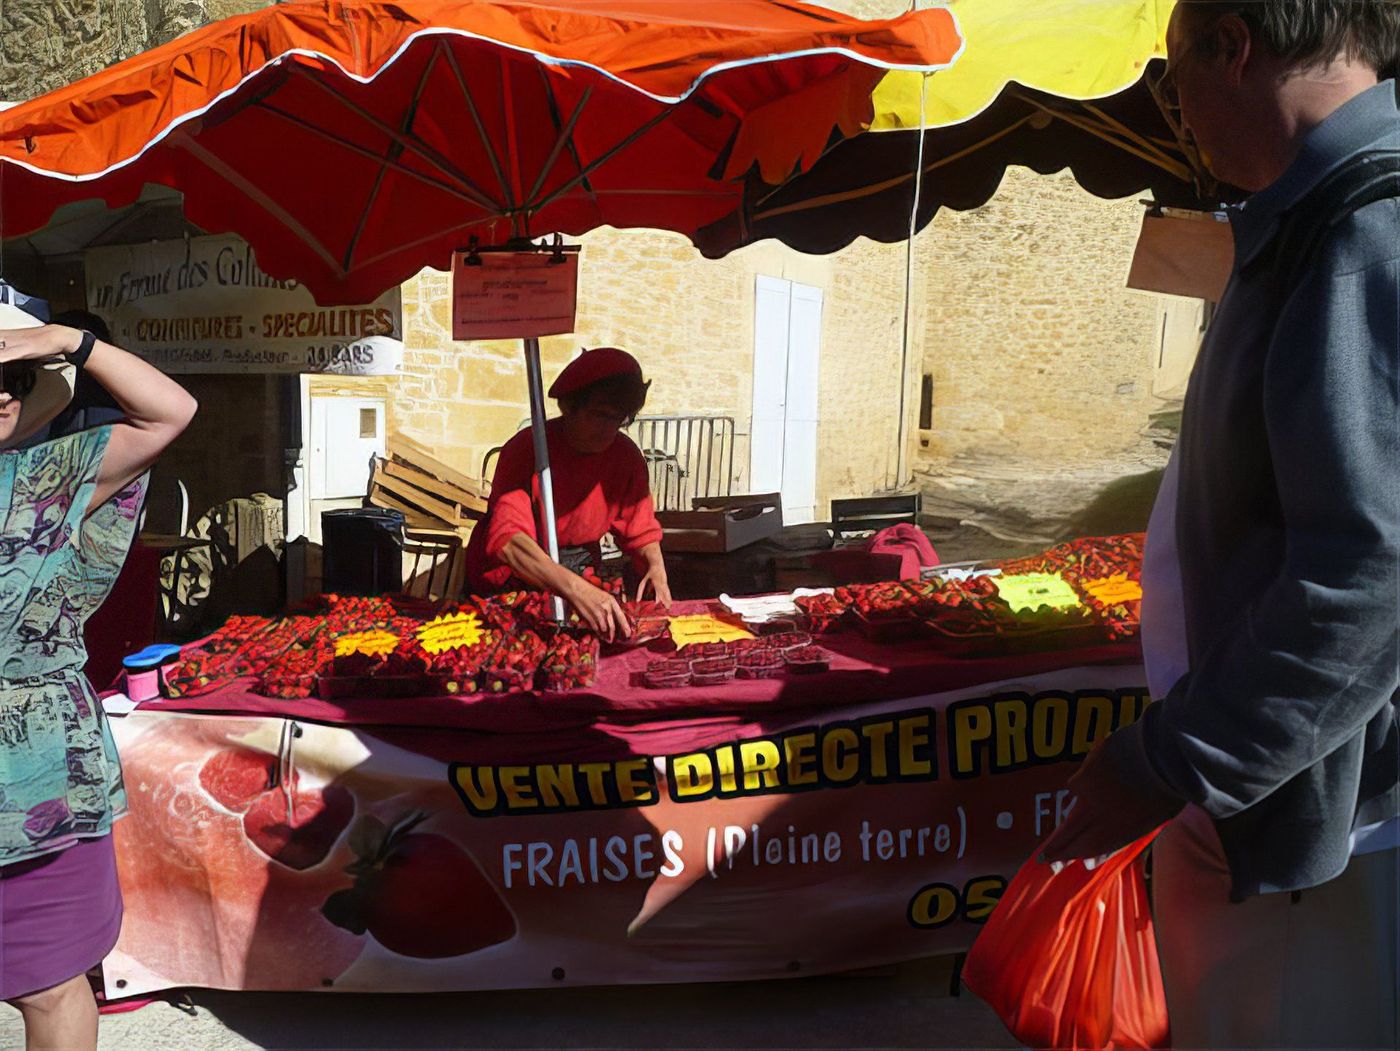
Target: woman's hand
(45,343)
(652,566)
(598,609)
(656,578)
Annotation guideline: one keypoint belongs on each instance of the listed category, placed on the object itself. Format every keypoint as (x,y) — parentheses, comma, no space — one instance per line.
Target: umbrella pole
(551,535)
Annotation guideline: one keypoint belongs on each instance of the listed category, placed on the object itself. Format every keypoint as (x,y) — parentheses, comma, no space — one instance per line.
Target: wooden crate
(723,523)
(404,450)
(429,493)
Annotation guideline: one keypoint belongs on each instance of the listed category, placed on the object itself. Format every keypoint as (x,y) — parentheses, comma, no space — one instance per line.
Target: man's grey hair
(1310,32)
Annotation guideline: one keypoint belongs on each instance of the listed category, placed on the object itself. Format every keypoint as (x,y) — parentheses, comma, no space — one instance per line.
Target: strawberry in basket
(570,662)
(760,664)
(514,663)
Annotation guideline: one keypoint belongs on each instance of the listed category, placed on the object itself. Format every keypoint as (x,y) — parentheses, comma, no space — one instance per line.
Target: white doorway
(786,363)
(341,437)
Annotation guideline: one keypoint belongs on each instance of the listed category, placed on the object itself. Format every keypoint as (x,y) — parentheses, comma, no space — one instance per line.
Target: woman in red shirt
(600,485)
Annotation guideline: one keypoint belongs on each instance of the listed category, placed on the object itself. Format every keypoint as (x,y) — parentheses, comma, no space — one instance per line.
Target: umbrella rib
(1177,169)
(434,236)
(572,143)
(364,151)
(1128,133)
(392,155)
(476,119)
(238,180)
(662,193)
(417,146)
(512,147)
(565,135)
(595,164)
(886,184)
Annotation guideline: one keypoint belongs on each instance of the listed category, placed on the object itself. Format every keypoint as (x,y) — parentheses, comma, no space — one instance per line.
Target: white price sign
(513,295)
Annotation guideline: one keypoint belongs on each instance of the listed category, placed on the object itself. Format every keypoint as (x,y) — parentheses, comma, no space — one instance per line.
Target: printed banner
(263,854)
(203,305)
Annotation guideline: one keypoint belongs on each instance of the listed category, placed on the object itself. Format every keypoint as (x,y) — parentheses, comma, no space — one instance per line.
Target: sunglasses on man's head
(17,380)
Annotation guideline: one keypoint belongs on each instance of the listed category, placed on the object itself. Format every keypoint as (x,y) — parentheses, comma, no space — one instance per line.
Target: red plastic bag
(1069,959)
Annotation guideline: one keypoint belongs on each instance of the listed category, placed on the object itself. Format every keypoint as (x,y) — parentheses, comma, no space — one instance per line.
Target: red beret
(591,366)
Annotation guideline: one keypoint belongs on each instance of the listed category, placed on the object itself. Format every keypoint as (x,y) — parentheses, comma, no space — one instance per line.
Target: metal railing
(687,456)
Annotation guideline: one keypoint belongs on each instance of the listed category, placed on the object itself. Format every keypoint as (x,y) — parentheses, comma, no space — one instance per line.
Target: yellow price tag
(453,632)
(1114,590)
(701,627)
(1031,591)
(370,643)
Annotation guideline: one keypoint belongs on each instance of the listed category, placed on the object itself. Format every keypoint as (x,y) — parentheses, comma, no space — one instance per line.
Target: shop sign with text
(203,305)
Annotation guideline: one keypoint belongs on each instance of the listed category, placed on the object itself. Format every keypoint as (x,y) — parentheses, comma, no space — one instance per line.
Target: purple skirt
(59,916)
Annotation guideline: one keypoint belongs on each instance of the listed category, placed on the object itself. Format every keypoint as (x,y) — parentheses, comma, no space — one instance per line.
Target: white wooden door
(783,433)
(346,434)
(772,304)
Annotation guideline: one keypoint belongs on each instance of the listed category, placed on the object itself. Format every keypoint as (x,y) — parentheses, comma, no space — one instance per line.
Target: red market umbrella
(354,142)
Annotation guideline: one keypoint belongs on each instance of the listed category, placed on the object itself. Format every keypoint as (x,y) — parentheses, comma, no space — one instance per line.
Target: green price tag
(1030,591)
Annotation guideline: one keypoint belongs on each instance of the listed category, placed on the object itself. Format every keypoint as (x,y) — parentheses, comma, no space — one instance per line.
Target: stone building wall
(1034,343)
(49,43)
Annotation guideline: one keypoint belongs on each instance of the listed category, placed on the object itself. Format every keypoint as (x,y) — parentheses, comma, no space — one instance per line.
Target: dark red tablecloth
(861,672)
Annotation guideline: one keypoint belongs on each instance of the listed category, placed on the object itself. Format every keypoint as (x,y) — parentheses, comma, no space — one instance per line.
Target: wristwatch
(78,358)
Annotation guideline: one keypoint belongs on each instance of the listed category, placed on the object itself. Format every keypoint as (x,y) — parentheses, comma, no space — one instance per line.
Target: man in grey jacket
(1271,617)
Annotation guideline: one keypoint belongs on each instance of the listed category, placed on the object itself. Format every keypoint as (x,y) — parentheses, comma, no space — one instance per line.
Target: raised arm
(155,408)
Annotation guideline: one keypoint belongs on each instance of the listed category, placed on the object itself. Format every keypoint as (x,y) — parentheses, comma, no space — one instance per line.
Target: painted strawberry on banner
(417,893)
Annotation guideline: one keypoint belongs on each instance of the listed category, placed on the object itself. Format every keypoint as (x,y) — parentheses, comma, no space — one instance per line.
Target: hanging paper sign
(369,643)
(1114,590)
(1184,253)
(513,295)
(453,632)
(1030,591)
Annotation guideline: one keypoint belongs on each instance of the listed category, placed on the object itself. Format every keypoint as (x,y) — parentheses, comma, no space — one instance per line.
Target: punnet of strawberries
(570,662)
(822,612)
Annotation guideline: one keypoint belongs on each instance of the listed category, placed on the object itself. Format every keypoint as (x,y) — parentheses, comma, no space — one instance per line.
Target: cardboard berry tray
(667,674)
(760,664)
(887,626)
(807,660)
(1004,642)
(712,671)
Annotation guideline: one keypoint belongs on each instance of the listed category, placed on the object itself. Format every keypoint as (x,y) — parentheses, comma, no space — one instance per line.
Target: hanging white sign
(204,305)
(1183,254)
(513,295)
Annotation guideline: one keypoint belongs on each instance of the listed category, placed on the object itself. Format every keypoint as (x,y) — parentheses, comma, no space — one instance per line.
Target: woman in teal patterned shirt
(68,510)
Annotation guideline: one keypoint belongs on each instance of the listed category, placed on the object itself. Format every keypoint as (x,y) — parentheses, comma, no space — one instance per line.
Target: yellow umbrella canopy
(1049,85)
(1071,49)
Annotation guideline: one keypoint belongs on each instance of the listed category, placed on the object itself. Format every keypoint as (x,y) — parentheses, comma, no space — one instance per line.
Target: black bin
(361,551)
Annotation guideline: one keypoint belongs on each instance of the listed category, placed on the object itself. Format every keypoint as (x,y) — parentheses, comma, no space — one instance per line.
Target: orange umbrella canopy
(353,143)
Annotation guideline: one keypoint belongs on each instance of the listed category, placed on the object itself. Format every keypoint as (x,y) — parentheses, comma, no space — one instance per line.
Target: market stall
(374,795)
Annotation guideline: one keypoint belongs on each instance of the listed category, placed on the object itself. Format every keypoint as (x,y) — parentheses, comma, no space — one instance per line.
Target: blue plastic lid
(151,657)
